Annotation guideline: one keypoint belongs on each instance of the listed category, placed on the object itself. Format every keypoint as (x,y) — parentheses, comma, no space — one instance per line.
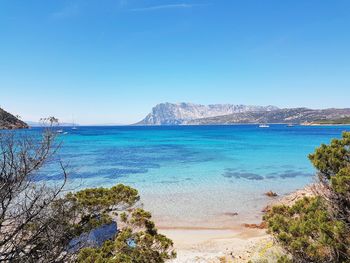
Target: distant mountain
(184,113)
(294,115)
(196,114)
(8,121)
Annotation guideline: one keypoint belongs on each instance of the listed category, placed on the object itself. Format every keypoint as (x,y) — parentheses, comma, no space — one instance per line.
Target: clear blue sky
(111,61)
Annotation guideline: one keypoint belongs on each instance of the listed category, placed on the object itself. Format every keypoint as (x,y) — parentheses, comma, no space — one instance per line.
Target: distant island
(9,121)
(197,114)
(42,124)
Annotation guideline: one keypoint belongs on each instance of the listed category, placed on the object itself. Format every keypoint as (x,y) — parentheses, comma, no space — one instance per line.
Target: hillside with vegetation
(339,121)
(9,121)
(287,116)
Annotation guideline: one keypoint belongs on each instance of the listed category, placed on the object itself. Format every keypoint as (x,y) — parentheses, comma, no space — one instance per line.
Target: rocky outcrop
(185,113)
(8,121)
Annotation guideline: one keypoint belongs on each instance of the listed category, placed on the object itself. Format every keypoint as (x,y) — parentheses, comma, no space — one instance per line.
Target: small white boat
(59,131)
(65,133)
(74,127)
(264,126)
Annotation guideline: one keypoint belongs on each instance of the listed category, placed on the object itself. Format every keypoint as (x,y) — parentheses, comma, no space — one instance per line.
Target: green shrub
(307,231)
(317,229)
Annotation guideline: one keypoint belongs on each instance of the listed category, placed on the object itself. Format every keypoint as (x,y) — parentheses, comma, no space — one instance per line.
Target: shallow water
(194,176)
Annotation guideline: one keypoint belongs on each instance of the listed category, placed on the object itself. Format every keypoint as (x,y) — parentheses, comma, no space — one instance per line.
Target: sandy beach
(236,244)
(201,245)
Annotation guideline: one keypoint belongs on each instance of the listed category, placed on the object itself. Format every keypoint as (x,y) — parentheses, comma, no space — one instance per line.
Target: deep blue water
(190,175)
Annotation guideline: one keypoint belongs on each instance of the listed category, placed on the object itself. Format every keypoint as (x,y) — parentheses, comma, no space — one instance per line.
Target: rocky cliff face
(184,113)
(8,121)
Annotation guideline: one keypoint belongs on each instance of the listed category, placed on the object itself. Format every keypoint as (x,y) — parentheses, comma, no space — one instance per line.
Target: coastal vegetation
(9,121)
(317,229)
(46,223)
(345,120)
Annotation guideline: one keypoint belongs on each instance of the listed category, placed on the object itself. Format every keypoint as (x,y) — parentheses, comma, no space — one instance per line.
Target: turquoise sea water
(194,176)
